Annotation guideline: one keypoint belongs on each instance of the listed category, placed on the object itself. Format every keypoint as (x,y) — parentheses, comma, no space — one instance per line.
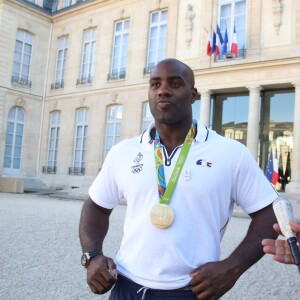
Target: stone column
(205,107)
(253,119)
(294,185)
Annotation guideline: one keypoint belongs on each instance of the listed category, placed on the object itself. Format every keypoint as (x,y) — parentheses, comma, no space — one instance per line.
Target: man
(180,180)
(280,249)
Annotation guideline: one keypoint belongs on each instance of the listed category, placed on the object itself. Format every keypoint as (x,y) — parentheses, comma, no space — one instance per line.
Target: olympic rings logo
(136,169)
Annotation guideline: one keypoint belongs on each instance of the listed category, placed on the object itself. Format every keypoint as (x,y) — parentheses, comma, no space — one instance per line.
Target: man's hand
(101,274)
(280,249)
(212,280)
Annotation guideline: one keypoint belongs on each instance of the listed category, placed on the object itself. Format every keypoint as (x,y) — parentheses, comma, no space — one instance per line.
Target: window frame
(114,121)
(86,74)
(159,25)
(20,76)
(54,126)
(223,23)
(78,161)
(60,65)
(119,72)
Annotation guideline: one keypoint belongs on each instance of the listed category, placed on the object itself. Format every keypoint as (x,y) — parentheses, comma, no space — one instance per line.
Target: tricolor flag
(219,41)
(234,45)
(213,50)
(269,170)
(209,45)
(225,42)
(275,169)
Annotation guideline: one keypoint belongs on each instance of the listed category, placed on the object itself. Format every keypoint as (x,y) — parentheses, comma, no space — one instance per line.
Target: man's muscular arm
(93,227)
(214,279)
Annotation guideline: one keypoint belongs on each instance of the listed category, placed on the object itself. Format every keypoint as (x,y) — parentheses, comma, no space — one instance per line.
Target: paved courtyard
(40,253)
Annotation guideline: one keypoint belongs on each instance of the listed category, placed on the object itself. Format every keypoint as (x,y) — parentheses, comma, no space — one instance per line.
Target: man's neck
(172,136)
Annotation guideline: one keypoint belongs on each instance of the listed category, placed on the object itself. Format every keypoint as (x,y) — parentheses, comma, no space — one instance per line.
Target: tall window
(88,55)
(147,117)
(22,58)
(277,133)
(118,69)
(62,51)
(66,3)
(113,127)
(80,140)
(230,115)
(157,38)
(233,14)
(52,143)
(196,109)
(14,141)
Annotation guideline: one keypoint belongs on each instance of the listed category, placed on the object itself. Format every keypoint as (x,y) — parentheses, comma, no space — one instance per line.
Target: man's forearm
(250,250)
(93,227)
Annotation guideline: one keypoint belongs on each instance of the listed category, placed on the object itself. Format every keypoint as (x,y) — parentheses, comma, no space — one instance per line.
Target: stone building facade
(74,77)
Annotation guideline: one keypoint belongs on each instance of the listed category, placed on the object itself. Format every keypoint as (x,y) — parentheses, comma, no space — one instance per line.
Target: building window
(61,58)
(157,39)
(88,55)
(120,48)
(14,141)
(66,3)
(22,58)
(230,115)
(196,109)
(113,127)
(233,14)
(278,132)
(147,117)
(52,143)
(80,140)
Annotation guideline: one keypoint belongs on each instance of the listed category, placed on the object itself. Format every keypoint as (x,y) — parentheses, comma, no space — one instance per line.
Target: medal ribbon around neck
(165,192)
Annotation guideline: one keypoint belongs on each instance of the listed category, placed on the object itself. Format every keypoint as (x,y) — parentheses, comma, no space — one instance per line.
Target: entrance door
(13,142)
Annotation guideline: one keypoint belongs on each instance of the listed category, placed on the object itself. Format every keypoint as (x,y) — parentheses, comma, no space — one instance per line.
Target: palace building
(74,80)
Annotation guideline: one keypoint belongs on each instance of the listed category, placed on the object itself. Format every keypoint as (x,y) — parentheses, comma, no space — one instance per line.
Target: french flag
(275,175)
(219,41)
(209,45)
(234,45)
(225,42)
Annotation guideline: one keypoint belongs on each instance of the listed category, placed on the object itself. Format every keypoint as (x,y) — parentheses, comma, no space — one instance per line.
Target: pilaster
(253,119)
(294,185)
(205,107)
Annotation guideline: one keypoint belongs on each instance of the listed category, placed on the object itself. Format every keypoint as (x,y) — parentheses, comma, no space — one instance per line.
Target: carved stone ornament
(20,101)
(114,98)
(82,101)
(189,24)
(122,13)
(55,105)
(277,14)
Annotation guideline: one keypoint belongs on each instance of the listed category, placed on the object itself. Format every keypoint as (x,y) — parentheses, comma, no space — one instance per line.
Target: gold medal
(162,216)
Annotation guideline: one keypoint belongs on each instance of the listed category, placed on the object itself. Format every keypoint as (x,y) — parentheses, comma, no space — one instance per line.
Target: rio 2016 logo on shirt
(137,168)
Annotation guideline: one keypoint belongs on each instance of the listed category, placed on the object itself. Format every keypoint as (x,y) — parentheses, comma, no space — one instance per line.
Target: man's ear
(195,94)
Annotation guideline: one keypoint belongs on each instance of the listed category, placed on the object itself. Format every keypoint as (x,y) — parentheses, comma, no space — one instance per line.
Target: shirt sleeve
(104,189)
(253,190)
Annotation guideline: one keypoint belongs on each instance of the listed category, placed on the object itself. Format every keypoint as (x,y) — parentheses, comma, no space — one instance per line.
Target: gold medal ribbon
(165,193)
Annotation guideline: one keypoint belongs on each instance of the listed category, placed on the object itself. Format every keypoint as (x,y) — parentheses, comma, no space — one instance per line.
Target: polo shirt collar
(202,133)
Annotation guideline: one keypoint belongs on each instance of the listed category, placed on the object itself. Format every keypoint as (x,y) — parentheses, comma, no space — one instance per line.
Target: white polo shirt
(217,173)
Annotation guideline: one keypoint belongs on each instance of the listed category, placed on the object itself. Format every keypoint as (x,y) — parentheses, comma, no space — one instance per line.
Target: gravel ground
(40,253)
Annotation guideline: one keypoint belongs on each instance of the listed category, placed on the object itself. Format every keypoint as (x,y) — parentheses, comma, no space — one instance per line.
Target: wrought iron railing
(76,171)
(230,56)
(116,75)
(57,85)
(21,81)
(49,169)
(84,80)
(147,70)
